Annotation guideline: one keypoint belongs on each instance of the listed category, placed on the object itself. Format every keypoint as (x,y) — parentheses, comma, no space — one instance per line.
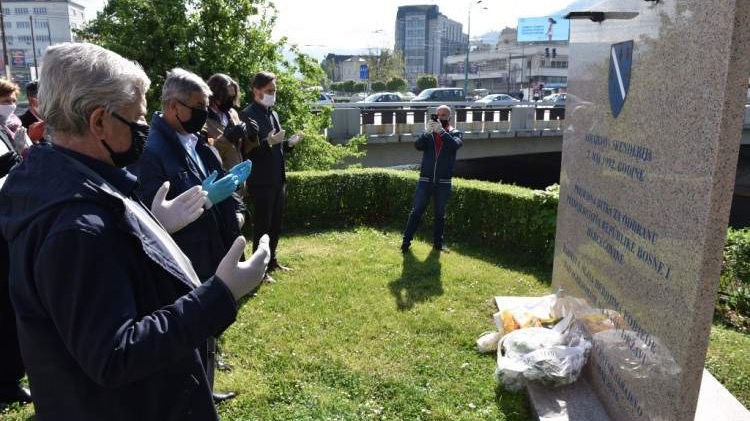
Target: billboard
(548,28)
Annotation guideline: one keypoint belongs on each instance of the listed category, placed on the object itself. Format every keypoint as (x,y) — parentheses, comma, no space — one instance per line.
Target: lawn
(359,331)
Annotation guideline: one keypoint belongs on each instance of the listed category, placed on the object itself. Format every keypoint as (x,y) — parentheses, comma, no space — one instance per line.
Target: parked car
(555,98)
(498,99)
(383,97)
(325,99)
(407,96)
(441,95)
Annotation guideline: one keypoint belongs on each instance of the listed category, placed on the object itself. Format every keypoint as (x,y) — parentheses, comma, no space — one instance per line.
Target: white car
(325,99)
(556,98)
(498,99)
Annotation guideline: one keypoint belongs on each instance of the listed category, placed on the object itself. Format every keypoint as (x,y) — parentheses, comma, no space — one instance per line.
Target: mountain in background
(578,6)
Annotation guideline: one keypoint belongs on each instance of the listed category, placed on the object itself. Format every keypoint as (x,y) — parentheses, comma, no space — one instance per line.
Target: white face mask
(269,100)
(6,110)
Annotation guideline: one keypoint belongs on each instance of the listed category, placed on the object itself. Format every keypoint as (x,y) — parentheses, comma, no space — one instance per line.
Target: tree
(226,36)
(426,82)
(360,87)
(378,86)
(396,84)
(385,64)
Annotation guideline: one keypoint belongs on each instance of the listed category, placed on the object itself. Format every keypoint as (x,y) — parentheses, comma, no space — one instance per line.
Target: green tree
(385,64)
(426,82)
(378,86)
(227,36)
(396,84)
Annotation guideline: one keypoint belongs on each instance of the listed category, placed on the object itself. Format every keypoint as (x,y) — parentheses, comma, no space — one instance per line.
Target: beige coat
(230,153)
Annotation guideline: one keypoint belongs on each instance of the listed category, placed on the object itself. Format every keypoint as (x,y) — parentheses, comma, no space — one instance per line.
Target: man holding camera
(438,145)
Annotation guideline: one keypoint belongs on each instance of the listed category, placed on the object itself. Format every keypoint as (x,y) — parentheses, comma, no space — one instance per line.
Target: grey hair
(77,78)
(179,85)
(445,107)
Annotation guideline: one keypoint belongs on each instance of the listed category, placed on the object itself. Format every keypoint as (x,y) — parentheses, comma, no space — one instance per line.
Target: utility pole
(5,47)
(466,62)
(33,46)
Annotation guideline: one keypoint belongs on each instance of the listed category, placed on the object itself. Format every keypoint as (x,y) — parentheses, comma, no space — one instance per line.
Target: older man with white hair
(438,145)
(110,311)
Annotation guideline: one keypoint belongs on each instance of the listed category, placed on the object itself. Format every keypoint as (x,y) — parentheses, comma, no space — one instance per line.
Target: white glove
(20,140)
(276,138)
(177,213)
(295,139)
(243,277)
(434,127)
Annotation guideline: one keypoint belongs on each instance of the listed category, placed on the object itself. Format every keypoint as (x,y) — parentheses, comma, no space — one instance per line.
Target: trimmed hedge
(733,303)
(501,216)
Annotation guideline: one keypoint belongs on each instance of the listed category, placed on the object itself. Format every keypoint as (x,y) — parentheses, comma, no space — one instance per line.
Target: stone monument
(656,94)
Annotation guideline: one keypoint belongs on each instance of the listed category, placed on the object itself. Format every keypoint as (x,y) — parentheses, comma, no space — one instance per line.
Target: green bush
(733,304)
(499,216)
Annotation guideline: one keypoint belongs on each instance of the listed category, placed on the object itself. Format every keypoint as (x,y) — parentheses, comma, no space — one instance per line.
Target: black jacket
(206,240)
(269,168)
(108,326)
(438,168)
(10,159)
(28,118)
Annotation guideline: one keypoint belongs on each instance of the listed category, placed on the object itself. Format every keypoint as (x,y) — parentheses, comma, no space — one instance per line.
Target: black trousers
(268,210)
(11,364)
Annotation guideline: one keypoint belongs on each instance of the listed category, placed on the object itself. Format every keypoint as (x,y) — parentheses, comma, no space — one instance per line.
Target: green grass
(357,331)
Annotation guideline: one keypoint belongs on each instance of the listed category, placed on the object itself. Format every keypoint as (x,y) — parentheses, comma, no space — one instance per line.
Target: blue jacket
(108,327)
(438,168)
(206,240)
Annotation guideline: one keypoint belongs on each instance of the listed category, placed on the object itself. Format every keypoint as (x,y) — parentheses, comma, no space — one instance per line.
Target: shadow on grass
(419,281)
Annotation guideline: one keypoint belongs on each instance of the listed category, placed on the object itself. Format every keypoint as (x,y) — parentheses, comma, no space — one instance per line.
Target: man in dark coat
(438,145)
(177,153)
(110,311)
(267,185)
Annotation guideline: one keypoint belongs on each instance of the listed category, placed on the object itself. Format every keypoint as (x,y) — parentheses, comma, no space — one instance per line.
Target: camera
(434,117)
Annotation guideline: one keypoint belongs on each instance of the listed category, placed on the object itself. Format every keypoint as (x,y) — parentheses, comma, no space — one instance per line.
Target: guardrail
(405,121)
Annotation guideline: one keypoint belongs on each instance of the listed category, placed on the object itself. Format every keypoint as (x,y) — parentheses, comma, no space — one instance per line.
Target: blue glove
(242,170)
(219,190)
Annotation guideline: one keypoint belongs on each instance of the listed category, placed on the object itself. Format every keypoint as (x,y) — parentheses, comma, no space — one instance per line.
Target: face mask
(226,105)
(138,135)
(445,123)
(6,110)
(197,120)
(269,100)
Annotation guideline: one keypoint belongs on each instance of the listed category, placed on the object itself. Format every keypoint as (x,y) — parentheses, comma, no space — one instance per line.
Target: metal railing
(404,121)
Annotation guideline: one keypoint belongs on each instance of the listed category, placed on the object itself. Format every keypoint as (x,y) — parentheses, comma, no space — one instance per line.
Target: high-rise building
(424,36)
(52,22)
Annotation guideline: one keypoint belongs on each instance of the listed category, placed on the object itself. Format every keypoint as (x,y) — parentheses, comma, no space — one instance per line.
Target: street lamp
(468,48)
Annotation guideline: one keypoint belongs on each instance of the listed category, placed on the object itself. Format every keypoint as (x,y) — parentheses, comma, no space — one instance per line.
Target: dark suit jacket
(206,240)
(269,168)
(28,118)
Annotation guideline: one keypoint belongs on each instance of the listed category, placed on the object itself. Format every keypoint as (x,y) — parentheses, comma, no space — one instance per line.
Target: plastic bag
(488,342)
(536,314)
(549,356)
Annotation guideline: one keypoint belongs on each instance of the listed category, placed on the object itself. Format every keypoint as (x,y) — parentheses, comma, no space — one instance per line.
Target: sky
(351,26)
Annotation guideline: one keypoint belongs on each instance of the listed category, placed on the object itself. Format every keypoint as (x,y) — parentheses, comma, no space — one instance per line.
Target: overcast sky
(341,26)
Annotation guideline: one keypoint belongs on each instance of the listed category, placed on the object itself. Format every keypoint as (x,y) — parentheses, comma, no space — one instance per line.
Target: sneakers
(441,249)
(275,265)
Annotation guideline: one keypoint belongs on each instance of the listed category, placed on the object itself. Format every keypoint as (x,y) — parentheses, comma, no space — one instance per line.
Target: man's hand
(219,190)
(434,127)
(243,277)
(276,138)
(242,170)
(251,129)
(179,212)
(295,139)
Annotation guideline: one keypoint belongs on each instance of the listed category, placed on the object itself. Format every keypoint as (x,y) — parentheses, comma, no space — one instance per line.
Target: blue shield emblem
(621,59)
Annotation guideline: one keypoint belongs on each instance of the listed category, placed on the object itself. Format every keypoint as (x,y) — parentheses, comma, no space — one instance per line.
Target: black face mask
(226,105)
(197,120)
(138,135)
(445,123)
